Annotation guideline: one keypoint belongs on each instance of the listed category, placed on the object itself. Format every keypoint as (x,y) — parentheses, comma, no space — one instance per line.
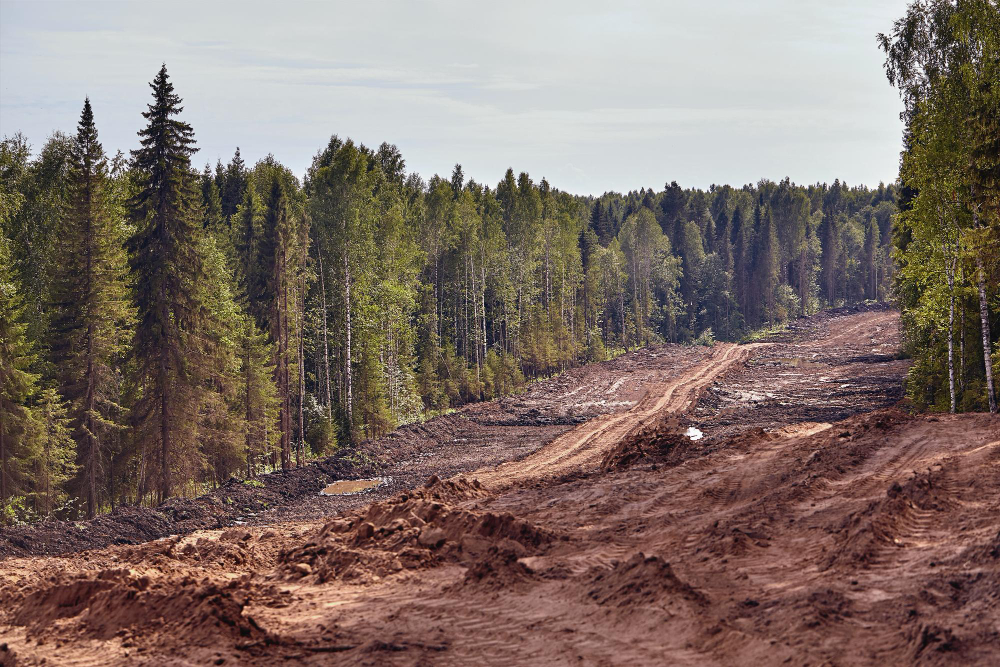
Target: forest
(944,57)
(163,329)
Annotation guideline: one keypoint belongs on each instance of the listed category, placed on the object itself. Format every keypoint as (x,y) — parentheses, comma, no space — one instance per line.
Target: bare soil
(817,525)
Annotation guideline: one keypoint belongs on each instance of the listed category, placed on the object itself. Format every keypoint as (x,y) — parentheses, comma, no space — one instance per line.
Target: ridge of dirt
(654,444)
(414,530)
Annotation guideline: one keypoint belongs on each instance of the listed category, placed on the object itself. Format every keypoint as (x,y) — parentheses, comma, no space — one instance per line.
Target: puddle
(694,433)
(346,487)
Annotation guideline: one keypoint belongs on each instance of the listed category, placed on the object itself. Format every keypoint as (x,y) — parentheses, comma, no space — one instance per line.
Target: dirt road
(582,448)
(871,540)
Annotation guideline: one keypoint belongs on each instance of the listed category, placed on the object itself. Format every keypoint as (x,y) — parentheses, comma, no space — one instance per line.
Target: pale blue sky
(593,96)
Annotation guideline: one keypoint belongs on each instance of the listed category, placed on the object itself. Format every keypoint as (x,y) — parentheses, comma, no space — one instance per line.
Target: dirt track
(583,447)
(870,540)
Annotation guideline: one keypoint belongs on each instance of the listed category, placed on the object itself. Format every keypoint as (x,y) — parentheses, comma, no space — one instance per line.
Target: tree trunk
(300,451)
(347,351)
(326,343)
(248,404)
(164,383)
(92,445)
(961,352)
(283,374)
(984,317)
(950,272)
(3,457)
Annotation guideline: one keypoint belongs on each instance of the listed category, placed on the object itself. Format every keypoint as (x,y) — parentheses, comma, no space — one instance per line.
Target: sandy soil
(816,539)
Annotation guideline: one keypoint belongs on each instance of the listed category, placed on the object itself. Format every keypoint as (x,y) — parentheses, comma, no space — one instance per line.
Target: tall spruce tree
(90,307)
(166,267)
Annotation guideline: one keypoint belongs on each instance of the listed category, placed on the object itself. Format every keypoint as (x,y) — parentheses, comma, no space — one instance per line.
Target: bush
(15,511)
(596,351)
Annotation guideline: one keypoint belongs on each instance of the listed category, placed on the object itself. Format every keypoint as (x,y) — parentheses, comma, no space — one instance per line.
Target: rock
(365,531)
(304,569)
(340,526)
(431,538)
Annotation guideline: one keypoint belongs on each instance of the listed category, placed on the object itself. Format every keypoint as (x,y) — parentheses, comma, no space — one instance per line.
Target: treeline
(944,57)
(163,329)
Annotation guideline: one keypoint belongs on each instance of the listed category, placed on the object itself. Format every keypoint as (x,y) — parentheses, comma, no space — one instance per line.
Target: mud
(871,538)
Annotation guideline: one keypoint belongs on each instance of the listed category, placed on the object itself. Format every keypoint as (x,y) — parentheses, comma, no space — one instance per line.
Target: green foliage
(52,453)
(17,383)
(15,511)
(90,314)
(943,58)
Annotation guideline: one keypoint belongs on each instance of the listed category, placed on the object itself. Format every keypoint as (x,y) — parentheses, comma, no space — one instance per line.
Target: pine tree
(166,267)
(91,311)
(233,183)
(742,238)
(766,269)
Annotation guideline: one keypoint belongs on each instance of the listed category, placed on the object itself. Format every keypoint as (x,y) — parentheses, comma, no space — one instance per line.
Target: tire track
(586,445)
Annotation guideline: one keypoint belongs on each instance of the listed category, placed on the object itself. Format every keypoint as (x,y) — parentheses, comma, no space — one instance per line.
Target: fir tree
(166,267)
(90,308)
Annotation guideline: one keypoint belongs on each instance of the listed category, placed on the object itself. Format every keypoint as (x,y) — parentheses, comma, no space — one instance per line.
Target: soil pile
(498,570)
(662,442)
(414,530)
(641,580)
(122,603)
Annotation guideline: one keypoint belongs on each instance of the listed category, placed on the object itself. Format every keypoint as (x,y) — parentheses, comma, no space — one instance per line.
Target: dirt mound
(498,570)
(639,580)
(122,602)
(412,530)
(659,443)
(883,524)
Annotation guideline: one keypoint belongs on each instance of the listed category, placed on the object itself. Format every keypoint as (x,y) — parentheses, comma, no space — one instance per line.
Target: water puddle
(347,487)
(694,433)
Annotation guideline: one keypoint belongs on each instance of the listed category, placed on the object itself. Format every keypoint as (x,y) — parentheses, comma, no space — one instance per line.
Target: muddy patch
(349,487)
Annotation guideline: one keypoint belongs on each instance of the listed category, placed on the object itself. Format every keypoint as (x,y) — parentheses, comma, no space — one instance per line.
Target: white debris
(694,433)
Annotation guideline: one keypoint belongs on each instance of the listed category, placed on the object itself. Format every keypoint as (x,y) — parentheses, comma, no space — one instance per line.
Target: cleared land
(574,524)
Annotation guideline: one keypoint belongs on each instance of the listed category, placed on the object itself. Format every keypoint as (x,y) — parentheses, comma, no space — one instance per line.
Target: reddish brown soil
(874,540)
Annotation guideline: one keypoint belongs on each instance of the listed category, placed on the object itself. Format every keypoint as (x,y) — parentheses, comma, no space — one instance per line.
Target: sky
(594,96)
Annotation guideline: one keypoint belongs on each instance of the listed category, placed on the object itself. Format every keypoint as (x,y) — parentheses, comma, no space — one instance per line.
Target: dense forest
(163,329)
(944,57)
